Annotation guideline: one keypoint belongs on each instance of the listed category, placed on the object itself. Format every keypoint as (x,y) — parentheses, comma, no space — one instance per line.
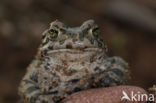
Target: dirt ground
(128,28)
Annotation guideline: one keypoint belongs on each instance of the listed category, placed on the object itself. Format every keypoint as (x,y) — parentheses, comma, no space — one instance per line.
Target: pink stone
(104,95)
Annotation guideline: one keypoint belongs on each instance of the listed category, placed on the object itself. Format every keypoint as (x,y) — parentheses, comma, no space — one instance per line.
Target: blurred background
(127,26)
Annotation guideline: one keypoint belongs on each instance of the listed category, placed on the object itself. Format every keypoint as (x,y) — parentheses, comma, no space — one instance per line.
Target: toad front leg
(113,72)
(30,92)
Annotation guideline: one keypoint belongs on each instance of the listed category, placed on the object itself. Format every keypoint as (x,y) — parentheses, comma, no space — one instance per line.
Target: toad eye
(53,33)
(96,32)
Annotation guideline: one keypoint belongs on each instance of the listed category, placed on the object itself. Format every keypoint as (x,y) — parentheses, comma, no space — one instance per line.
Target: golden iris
(96,32)
(53,33)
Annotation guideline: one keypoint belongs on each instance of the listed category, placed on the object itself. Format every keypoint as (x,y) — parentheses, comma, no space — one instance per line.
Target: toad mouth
(75,51)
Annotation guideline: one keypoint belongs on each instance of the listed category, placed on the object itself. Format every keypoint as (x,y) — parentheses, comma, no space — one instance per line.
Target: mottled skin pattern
(70,60)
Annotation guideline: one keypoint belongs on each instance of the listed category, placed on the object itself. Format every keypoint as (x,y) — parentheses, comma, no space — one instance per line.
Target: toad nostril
(86,47)
(69,46)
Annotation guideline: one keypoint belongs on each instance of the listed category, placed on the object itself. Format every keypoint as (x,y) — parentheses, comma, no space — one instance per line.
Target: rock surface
(105,95)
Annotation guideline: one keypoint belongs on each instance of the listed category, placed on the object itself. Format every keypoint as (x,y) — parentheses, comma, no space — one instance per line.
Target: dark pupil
(53,33)
(96,32)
